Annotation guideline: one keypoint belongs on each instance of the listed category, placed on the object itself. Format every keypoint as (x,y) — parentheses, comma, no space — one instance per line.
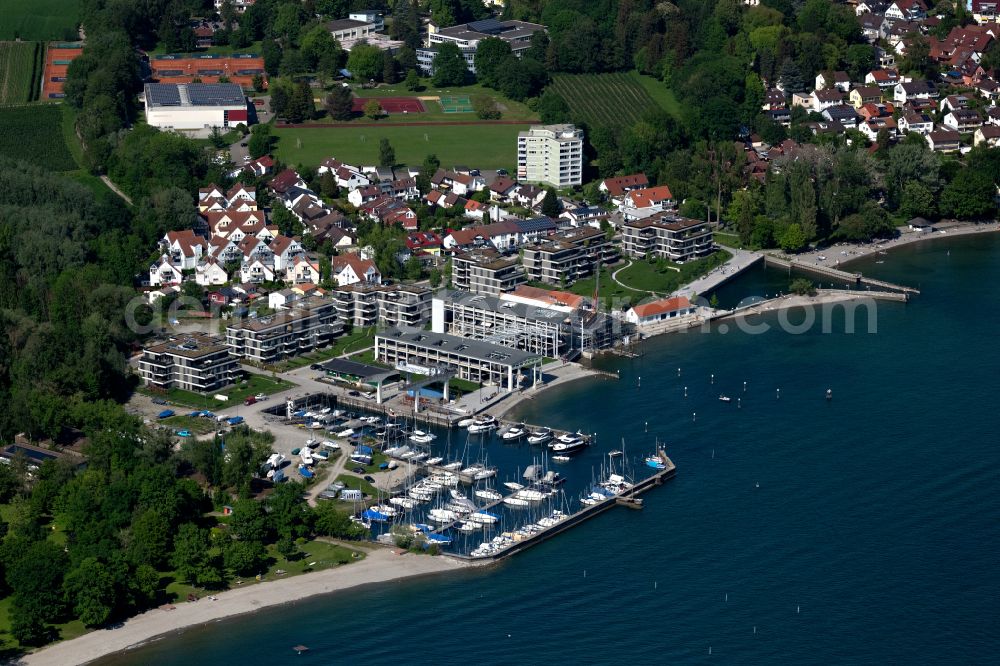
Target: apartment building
(363,306)
(193,362)
(551,154)
(667,237)
(474,360)
(309,324)
(485,271)
(568,256)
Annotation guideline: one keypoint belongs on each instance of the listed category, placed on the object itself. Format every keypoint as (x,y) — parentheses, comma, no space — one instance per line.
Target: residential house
(864,95)
(773,99)
(285,250)
(871,127)
(256,271)
(163,271)
(224,250)
(502,188)
(985,11)
(185,248)
(475,210)
(906,10)
(444,199)
(222,223)
(963,120)
(348,177)
(192,362)
(534,229)
(871,26)
(944,141)
(285,181)
(309,324)
(954,102)
(352,269)
(616,188)
(988,134)
(503,236)
(844,114)
(824,99)
(461,184)
(883,78)
(918,123)
(390,211)
(302,270)
(223,297)
(838,80)
(904,92)
(528,196)
(871,7)
(568,256)
(281,299)
(365,306)
(585,215)
(647,201)
(423,241)
(210,271)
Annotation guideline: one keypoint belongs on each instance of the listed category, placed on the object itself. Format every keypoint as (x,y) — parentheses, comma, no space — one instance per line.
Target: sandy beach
(842,254)
(380,566)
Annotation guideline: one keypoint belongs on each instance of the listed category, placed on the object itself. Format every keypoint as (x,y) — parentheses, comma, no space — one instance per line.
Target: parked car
(358,470)
(159,401)
(370,479)
(250,400)
(260,396)
(353,394)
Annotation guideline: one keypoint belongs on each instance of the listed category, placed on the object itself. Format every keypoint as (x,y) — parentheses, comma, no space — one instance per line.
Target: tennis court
(390,104)
(456,104)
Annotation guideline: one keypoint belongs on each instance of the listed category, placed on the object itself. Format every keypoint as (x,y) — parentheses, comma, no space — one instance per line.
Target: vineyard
(607,100)
(34,133)
(20,71)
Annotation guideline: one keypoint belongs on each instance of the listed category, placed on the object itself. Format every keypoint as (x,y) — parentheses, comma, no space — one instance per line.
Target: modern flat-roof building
(472,360)
(551,154)
(568,256)
(309,324)
(350,28)
(194,106)
(363,305)
(468,35)
(193,362)
(485,271)
(667,237)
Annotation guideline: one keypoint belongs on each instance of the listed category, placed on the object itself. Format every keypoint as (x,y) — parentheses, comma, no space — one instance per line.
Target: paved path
(739,262)
(614,276)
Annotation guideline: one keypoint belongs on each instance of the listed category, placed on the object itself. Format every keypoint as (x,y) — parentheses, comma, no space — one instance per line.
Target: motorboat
(513,433)
(403,502)
(321,455)
(483,424)
(655,462)
(327,444)
(466,422)
(513,485)
(515,501)
(443,516)
(482,517)
(306,457)
(561,458)
(566,444)
(530,495)
(435,460)
(469,526)
(385,509)
(305,472)
(422,437)
(615,453)
(725,398)
(345,433)
(540,436)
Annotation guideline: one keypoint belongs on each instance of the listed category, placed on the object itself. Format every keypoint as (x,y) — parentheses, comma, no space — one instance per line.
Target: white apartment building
(551,154)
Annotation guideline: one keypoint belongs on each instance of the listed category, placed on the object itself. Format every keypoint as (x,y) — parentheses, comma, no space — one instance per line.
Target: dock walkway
(835,273)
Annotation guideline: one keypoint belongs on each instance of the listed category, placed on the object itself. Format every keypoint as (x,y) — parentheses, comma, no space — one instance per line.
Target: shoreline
(381,565)
(855,251)
(822,297)
(576,372)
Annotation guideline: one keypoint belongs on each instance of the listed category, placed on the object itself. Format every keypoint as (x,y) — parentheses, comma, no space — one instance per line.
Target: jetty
(627,498)
(835,273)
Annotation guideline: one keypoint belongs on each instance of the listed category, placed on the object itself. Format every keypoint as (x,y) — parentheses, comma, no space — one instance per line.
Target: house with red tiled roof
(256,271)
(883,78)
(664,309)
(185,248)
(347,269)
(302,271)
(502,188)
(222,222)
(285,250)
(563,301)
(164,271)
(210,271)
(646,201)
(285,181)
(423,241)
(475,209)
(617,187)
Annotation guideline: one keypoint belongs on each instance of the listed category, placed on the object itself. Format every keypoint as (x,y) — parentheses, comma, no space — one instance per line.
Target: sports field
(390,105)
(613,99)
(20,69)
(455,104)
(41,20)
(58,56)
(482,146)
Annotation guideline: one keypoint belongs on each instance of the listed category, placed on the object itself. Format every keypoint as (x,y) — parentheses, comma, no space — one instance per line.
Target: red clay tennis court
(391,104)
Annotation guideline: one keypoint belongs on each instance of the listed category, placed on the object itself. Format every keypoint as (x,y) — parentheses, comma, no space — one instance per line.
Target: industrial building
(193,362)
(472,360)
(195,106)
(551,154)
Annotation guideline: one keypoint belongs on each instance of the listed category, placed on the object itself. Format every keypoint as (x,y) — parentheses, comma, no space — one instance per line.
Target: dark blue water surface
(864,529)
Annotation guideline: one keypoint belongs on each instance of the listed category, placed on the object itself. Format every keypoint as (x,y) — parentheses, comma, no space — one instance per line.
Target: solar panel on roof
(489,25)
(163,95)
(215,94)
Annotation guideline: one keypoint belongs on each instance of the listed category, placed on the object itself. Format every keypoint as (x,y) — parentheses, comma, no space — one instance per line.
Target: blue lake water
(858,530)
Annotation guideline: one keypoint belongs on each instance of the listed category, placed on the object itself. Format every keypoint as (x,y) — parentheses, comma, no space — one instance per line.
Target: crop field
(20,69)
(35,133)
(483,146)
(42,20)
(608,100)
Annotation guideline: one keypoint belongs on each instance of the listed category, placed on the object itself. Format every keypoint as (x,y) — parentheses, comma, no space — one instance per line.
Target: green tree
(373,109)
(318,43)
(793,238)
(149,541)
(389,74)
(249,521)
(490,54)
(413,269)
(485,107)
(802,287)
(365,62)
(412,81)
(916,201)
(970,195)
(550,204)
(245,558)
(449,66)
(340,103)
(386,153)
(90,590)
(191,557)
(552,108)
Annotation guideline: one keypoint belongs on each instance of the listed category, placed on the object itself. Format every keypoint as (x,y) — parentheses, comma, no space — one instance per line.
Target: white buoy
(640,382)
(584,573)
(678,372)
(757,485)
(647,426)
(713,454)
(713,379)
(710,649)
(777,393)
(744,387)
(727,597)
(685,391)
(739,403)
(694,416)
(798,609)
(655,583)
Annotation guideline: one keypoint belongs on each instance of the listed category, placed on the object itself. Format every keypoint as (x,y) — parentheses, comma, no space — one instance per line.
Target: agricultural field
(612,99)
(35,134)
(41,20)
(481,146)
(20,70)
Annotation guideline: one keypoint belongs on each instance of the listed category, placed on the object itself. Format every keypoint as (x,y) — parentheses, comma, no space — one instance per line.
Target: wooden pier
(835,273)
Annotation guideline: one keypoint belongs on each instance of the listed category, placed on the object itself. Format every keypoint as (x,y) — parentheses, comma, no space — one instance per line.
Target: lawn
(727,239)
(509,109)
(198,425)
(39,19)
(226,49)
(618,99)
(353,341)
(35,134)
(252,386)
(656,278)
(479,146)
(357,483)
(20,72)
